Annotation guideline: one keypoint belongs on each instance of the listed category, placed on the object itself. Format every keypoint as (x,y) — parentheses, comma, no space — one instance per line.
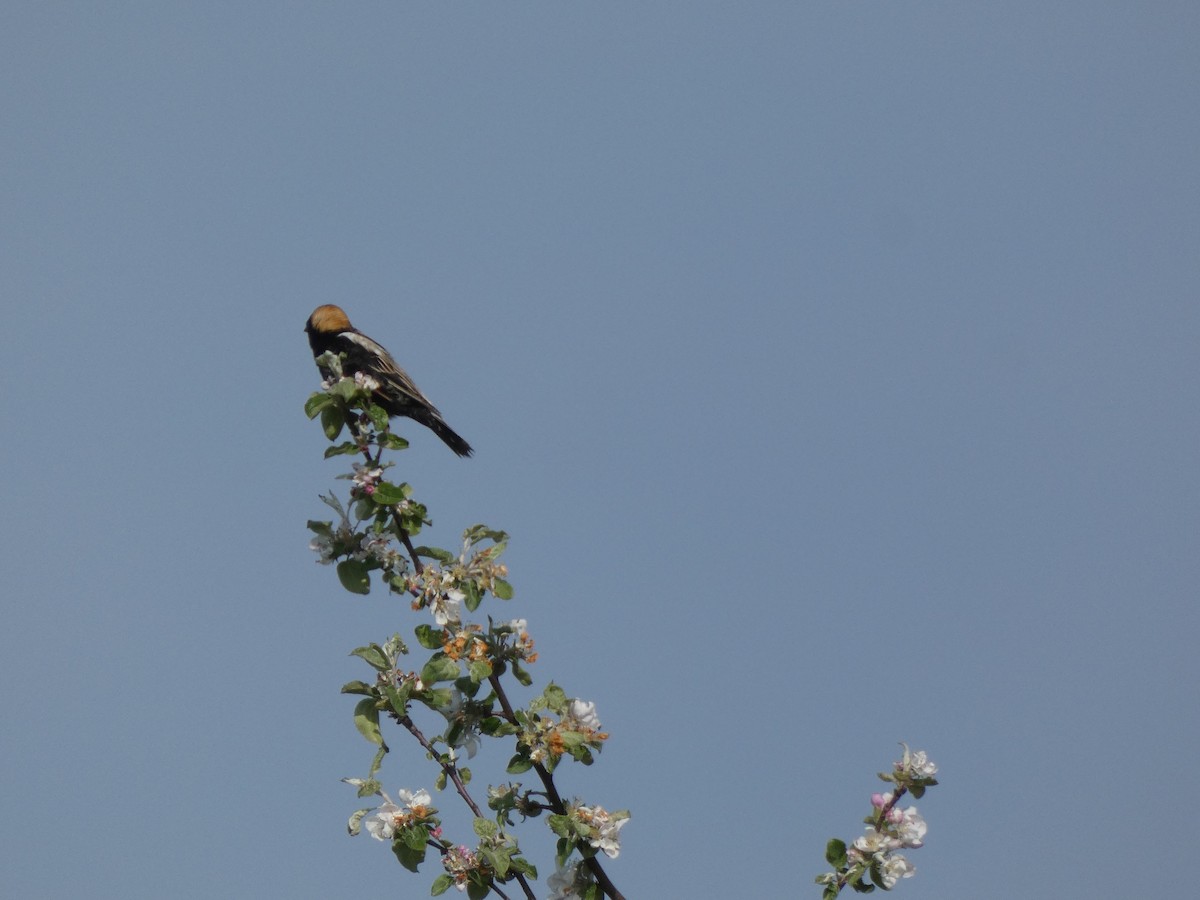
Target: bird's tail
(449,436)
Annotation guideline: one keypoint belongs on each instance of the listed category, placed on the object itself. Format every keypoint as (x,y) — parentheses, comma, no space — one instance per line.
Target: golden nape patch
(329,319)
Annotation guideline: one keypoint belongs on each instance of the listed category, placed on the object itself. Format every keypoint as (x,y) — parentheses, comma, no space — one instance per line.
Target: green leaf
(366,720)
(443,556)
(524,866)
(556,698)
(332,421)
(441,884)
(325,529)
(563,850)
(369,787)
(479,670)
(358,687)
(389,441)
(409,858)
(440,668)
(429,637)
(342,449)
(315,403)
(485,828)
(374,656)
(377,761)
(477,891)
(398,697)
(502,589)
(379,416)
(354,576)
(835,853)
(520,674)
(518,764)
(497,860)
(388,494)
(414,836)
(473,596)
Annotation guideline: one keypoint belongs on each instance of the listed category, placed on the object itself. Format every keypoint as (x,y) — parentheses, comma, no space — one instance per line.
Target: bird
(329,329)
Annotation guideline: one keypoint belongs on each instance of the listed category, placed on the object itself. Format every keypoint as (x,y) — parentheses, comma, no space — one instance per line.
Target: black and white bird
(329,329)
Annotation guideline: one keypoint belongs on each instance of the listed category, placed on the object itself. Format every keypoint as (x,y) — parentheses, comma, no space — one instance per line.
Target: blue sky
(833,366)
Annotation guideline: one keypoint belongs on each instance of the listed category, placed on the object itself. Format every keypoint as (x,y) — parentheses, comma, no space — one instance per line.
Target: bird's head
(328,319)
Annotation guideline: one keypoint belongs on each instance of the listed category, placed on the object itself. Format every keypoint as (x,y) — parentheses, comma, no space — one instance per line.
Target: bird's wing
(387,370)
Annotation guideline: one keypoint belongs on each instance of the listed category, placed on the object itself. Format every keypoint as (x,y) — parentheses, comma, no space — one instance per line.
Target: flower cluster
(873,858)
(600,828)
(391,818)
(544,740)
(465,643)
(460,862)
(436,589)
(593,826)
(365,479)
(514,641)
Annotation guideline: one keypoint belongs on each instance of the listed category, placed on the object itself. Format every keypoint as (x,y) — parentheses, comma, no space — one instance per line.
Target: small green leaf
(497,859)
(441,884)
(358,687)
(473,595)
(443,556)
(429,637)
(354,576)
(477,891)
(479,670)
(502,589)
(369,787)
(377,761)
(485,828)
(389,441)
(440,668)
(315,403)
(398,697)
(379,416)
(332,421)
(388,494)
(342,449)
(835,853)
(524,866)
(518,764)
(366,720)
(373,655)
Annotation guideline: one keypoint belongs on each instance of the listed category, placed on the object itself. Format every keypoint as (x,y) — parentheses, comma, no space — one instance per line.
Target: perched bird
(328,328)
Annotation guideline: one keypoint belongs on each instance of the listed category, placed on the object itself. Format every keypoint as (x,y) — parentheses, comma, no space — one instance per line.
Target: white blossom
(911,828)
(446,607)
(895,867)
(583,713)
